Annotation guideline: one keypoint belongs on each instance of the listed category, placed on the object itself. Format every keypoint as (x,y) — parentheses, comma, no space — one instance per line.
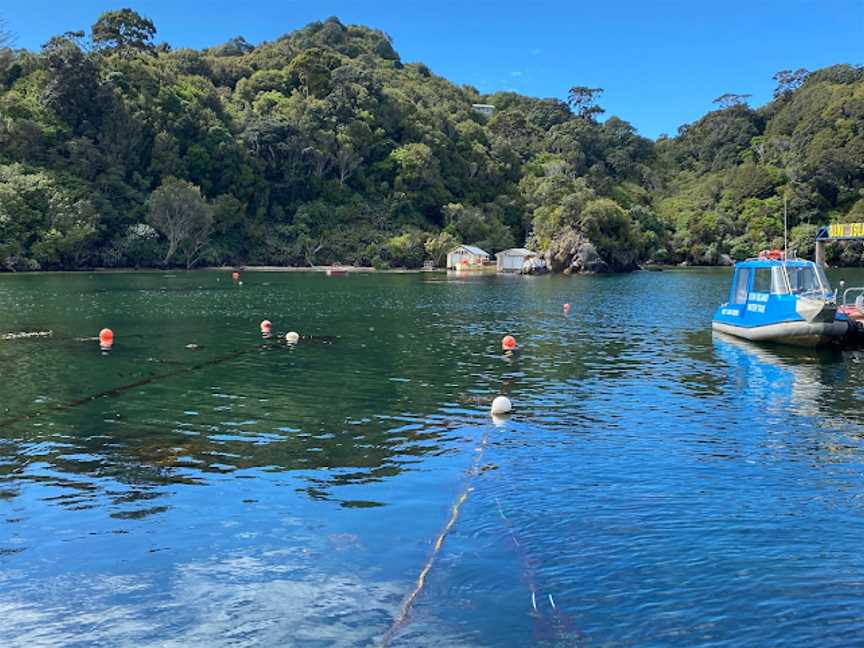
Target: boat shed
(512,260)
(466,256)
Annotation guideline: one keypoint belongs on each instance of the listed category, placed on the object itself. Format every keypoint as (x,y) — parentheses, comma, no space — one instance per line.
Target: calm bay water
(655,485)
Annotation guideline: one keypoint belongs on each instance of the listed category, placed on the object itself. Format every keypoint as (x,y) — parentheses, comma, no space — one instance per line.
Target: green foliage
(44,224)
(406,250)
(439,245)
(583,100)
(609,228)
(310,70)
(123,30)
(73,88)
(802,240)
(479,227)
(177,211)
(322,146)
(717,141)
(726,175)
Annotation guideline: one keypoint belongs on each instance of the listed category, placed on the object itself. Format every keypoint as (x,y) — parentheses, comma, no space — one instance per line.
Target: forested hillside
(323,146)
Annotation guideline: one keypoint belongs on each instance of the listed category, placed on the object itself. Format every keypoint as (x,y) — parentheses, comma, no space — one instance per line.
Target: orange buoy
(266,325)
(508,343)
(235,276)
(566,309)
(106,336)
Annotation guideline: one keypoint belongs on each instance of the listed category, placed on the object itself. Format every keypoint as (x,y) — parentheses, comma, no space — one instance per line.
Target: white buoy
(501,405)
(292,337)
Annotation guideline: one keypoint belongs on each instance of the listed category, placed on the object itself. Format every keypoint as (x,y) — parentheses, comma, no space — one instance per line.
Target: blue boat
(774,299)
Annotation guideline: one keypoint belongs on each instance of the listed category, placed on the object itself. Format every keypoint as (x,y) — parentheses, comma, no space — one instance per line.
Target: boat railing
(852,290)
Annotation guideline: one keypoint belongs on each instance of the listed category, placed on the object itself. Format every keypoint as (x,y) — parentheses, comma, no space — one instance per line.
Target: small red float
(106,336)
(266,325)
(508,343)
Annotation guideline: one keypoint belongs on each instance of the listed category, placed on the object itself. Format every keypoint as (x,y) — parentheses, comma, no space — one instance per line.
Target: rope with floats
(499,406)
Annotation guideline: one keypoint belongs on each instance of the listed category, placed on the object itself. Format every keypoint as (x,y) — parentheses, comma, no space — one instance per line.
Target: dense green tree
(730,99)
(44,224)
(479,227)
(583,100)
(406,250)
(73,89)
(610,229)
(177,210)
(439,245)
(124,31)
(788,81)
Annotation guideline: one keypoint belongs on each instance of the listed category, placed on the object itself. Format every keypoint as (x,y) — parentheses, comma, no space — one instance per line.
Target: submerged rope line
(559,623)
(420,583)
(116,391)
(527,571)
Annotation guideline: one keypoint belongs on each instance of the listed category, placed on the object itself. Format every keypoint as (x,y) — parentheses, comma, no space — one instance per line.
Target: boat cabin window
(778,281)
(770,280)
(740,285)
(762,280)
(808,279)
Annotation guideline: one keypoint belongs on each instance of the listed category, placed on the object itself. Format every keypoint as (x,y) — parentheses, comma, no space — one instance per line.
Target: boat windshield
(809,280)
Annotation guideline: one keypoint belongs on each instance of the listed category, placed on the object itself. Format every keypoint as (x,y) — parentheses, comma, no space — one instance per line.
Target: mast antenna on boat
(785,231)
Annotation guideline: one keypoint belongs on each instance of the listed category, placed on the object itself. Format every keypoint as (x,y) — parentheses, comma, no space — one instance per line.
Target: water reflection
(777,377)
(818,386)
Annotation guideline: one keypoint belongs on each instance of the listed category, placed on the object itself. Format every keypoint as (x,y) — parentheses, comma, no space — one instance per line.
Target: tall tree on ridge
(788,81)
(730,99)
(124,30)
(582,100)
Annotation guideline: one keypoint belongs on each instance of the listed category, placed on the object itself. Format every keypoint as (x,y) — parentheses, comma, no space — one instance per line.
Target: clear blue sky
(661,62)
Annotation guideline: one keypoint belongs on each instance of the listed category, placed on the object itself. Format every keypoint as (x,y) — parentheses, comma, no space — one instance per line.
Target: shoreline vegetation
(652,267)
(322,147)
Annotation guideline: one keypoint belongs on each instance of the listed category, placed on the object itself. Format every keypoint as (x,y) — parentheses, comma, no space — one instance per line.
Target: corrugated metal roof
(518,252)
(473,249)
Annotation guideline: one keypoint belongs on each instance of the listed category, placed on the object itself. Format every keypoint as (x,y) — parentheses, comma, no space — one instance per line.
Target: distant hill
(324,146)
(725,175)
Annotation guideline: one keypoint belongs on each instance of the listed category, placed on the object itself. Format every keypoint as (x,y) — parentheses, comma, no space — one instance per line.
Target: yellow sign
(845,230)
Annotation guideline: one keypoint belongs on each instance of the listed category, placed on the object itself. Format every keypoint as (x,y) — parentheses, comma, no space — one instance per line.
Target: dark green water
(655,485)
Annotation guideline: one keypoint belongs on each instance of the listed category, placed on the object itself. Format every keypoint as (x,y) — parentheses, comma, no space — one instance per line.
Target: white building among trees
(466,256)
(513,259)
